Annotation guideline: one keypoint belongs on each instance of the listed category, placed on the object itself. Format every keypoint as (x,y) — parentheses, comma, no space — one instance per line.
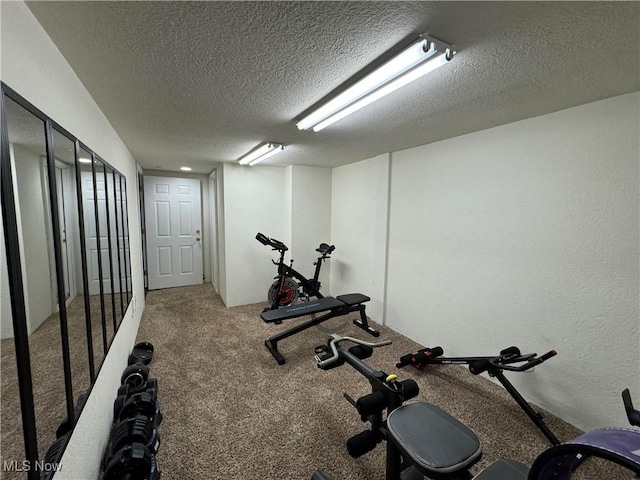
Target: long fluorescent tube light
(261,153)
(419,58)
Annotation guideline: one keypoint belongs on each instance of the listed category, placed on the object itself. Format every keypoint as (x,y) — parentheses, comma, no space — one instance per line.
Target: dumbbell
(132,462)
(142,353)
(139,429)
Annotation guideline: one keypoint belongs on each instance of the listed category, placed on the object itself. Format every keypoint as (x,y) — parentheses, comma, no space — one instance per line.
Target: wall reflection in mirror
(66,235)
(27,147)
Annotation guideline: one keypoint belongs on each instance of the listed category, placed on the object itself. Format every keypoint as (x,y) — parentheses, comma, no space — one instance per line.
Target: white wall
(6,316)
(254,201)
(33,66)
(291,204)
(34,230)
(310,220)
(527,234)
(359,231)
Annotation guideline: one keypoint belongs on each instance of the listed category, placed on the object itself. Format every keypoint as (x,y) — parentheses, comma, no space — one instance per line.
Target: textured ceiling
(195,83)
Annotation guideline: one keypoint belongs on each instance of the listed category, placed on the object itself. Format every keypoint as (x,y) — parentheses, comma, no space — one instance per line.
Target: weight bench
(335,307)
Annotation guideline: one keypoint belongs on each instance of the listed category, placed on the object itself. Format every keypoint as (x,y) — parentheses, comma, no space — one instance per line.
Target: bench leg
(363,323)
(272,346)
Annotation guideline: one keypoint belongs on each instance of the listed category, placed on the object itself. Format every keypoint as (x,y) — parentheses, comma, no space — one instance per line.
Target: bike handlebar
(272,242)
(335,339)
(324,249)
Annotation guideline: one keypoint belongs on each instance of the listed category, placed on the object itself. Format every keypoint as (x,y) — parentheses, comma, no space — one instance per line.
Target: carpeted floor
(231,412)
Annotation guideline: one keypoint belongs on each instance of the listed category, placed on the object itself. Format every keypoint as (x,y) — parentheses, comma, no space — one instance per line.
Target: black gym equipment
(335,307)
(134,439)
(142,353)
(424,440)
(510,359)
(421,438)
(289,284)
(132,462)
(135,375)
(149,402)
(138,429)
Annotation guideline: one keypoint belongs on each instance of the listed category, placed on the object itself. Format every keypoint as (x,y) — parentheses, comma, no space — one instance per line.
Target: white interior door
(174,231)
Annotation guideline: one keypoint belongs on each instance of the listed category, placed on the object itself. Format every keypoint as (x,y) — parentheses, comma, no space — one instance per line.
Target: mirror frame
(15,272)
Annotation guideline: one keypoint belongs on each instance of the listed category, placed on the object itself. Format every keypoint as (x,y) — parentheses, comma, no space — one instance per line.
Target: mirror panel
(26,135)
(68,249)
(11,443)
(93,223)
(115,290)
(123,249)
(127,249)
(78,328)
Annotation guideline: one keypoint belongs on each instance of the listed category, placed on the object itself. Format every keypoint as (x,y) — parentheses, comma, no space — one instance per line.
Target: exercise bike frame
(304,286)
(494,366)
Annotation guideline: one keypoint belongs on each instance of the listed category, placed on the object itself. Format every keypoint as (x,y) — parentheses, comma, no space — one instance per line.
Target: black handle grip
(632,414)
(362,443)
(410,389)
(262,238)
(538,361)
(479,366)
(371,404)
(420,357)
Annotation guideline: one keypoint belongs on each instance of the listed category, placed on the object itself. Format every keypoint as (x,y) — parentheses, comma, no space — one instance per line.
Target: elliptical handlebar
(272,242)
(503,362)
(335,354)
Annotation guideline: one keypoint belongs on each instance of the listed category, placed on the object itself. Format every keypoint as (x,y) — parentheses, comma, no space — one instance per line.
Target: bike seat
(325,249)
(436,444)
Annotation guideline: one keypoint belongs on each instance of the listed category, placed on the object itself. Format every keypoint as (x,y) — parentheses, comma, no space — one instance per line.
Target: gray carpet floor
(231,412)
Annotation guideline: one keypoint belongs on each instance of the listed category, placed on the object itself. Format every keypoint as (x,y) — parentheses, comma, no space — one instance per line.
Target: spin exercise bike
(289,284)
(424,441)
(510,359)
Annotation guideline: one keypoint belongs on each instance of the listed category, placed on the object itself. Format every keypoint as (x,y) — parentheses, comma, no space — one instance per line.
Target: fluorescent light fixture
(84,160)
(419,58)
(185,169)
(261,153)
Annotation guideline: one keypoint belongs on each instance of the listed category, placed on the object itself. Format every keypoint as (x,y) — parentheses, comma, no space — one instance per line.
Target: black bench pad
(313,306)
(436,443)
(353,298)
(504,470)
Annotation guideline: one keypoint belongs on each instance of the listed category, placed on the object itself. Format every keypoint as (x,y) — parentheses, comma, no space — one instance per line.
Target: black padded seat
(504,470)
(434,441)
(353,298)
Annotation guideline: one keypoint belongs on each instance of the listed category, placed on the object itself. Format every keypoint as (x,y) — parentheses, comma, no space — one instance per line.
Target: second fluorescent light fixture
(261,153)
(419,58)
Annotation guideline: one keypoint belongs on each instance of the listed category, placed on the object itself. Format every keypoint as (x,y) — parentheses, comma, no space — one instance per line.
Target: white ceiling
(196,83)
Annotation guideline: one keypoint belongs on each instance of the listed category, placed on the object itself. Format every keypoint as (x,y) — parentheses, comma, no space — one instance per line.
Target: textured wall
(254,201)
(310,219)
(527,234)
(359,230)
